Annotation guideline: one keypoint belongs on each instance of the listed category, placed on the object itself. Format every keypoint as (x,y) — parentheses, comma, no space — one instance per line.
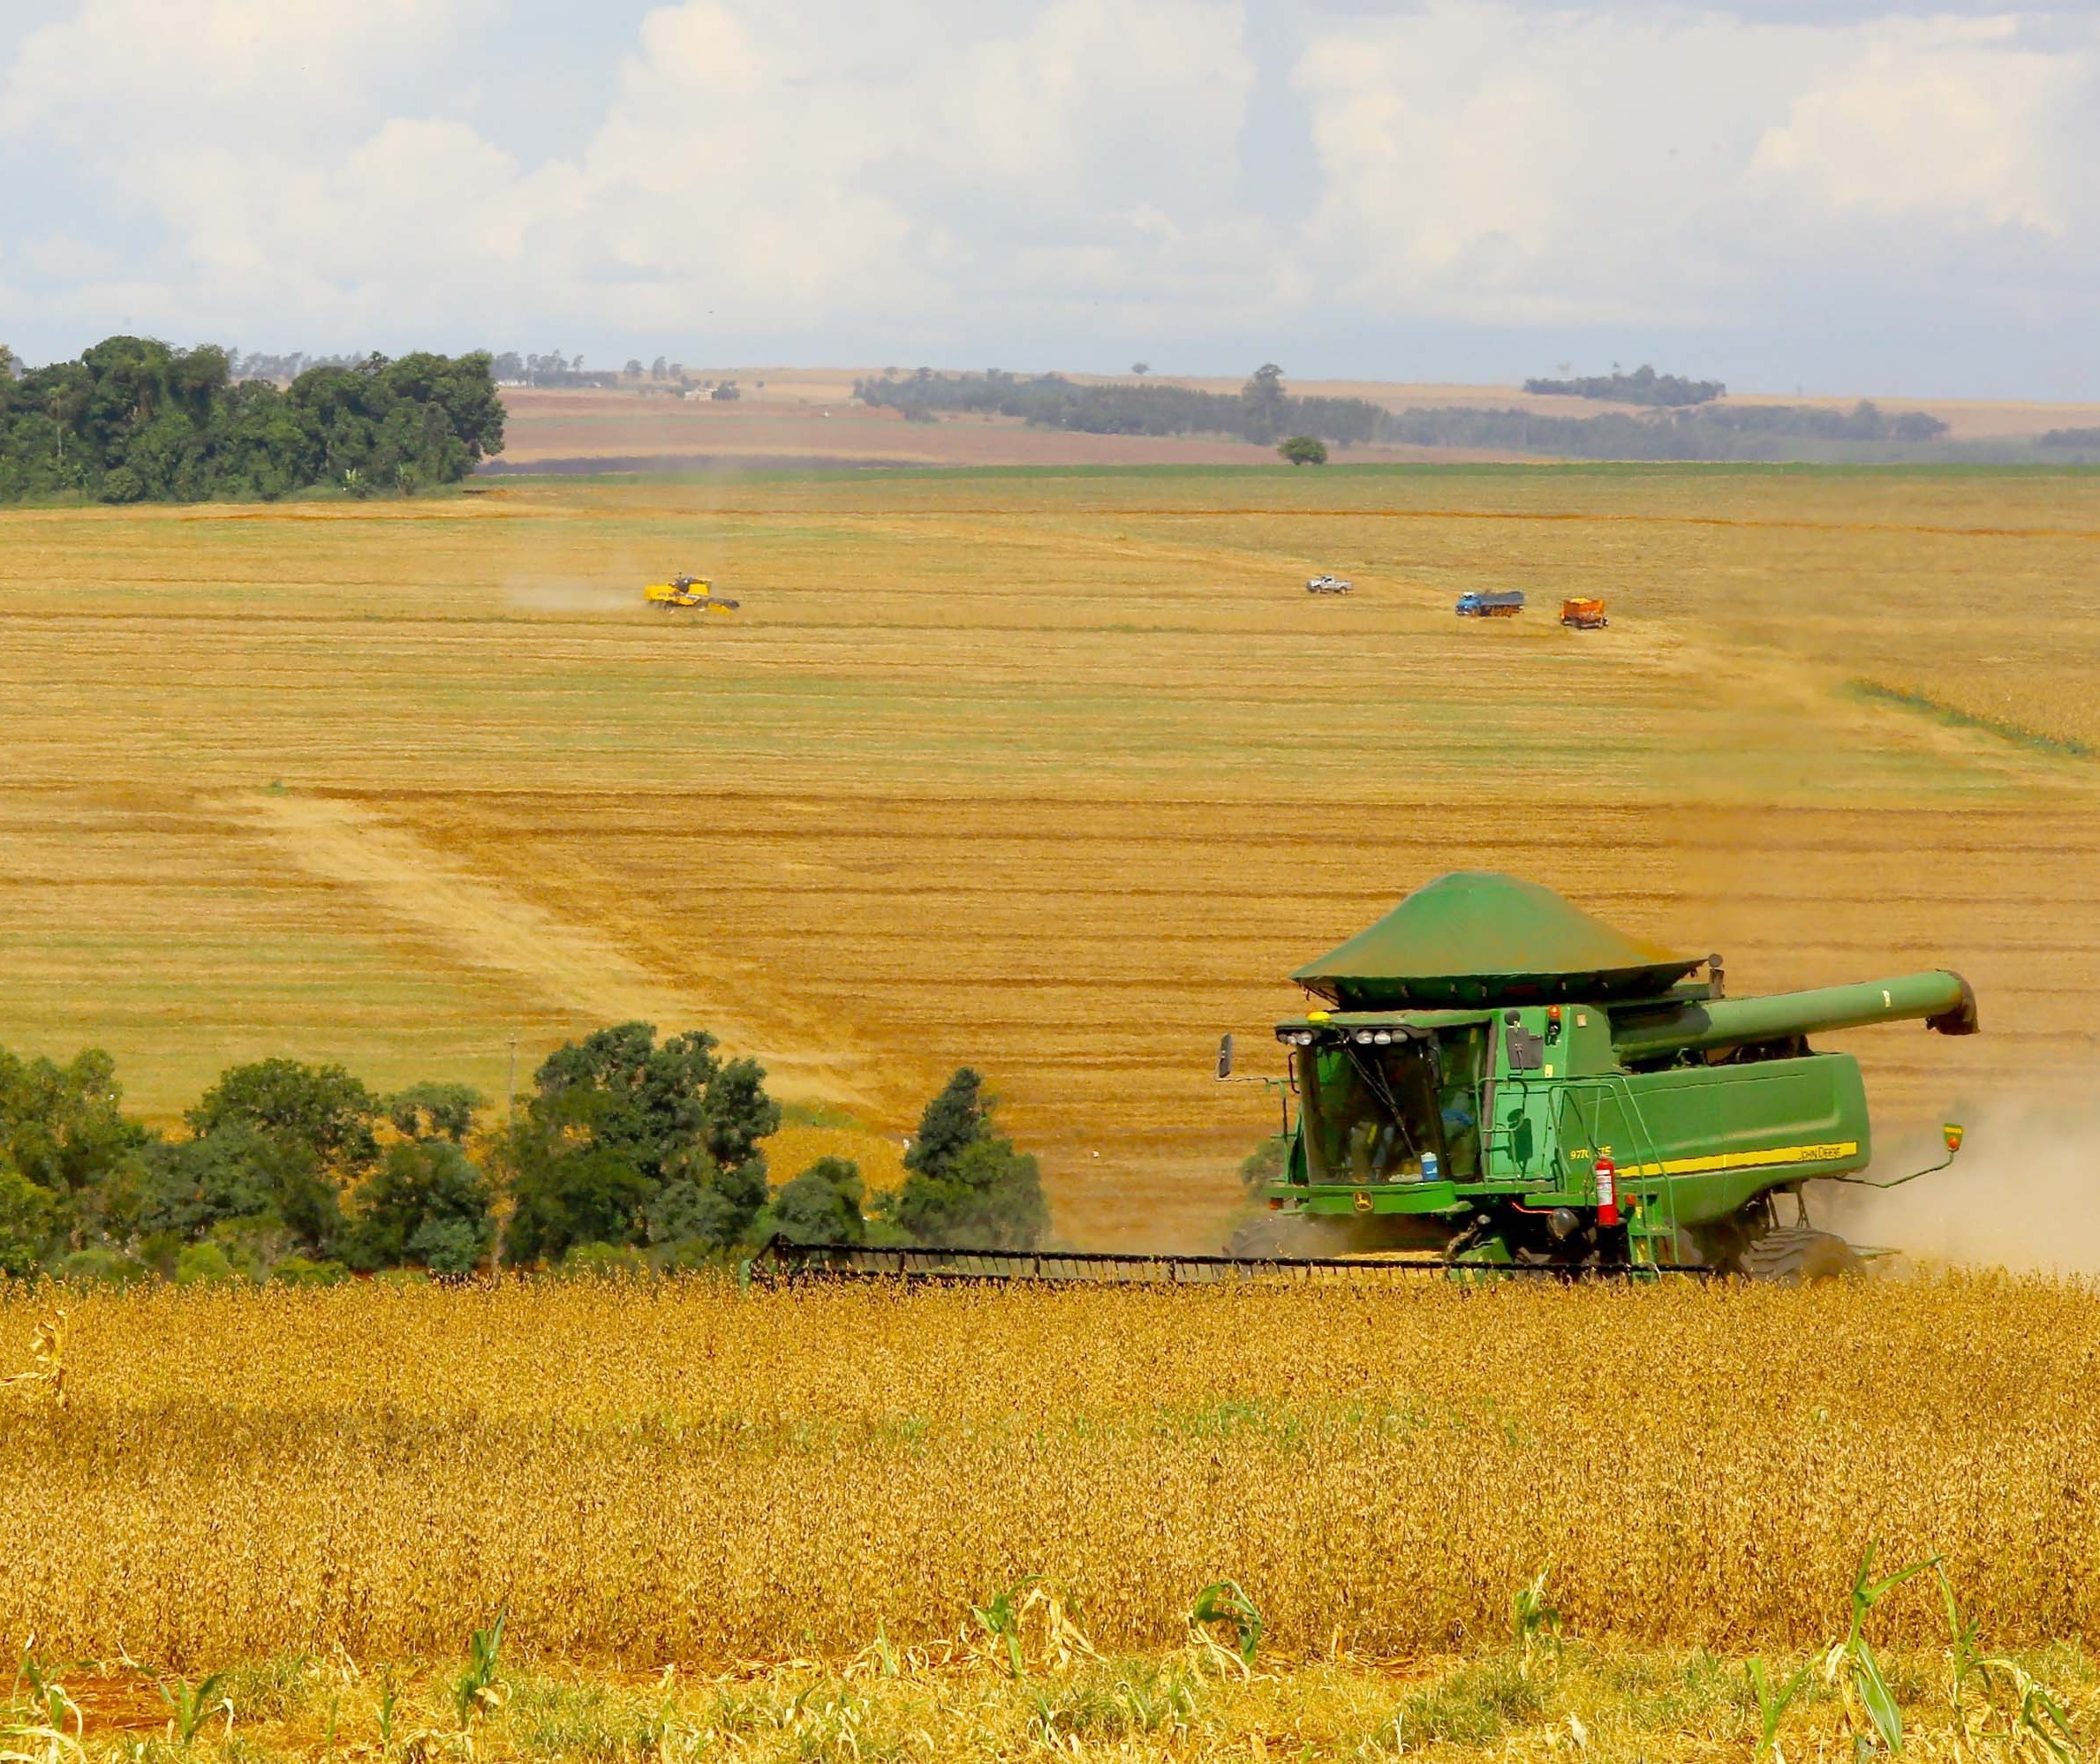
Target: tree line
(1263,411)
(629,1151)
(1643,385)
(134,420)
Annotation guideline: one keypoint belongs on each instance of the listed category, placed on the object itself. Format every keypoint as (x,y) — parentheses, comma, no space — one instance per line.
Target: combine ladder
(1650,1203)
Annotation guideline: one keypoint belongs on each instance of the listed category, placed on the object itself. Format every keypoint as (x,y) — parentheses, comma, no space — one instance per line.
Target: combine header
(1497,1080)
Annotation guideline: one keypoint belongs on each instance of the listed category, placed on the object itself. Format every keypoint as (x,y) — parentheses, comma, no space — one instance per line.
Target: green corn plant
(389,1710)
(1535,1621)
(475,1688)
(1852,1660)
(47,1695)
(1772,1706)
(1001,1620)
(189,1708)
(1226,1601)
(32,1742)
(2037,1721)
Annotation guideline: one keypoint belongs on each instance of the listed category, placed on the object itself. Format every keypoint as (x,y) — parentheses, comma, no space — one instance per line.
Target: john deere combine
(1499,1080)
(1502,1079)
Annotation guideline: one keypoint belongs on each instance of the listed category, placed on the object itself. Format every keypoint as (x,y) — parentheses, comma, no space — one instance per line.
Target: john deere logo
(1362,1198)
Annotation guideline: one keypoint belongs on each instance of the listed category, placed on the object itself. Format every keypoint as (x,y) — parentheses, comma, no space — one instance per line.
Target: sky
(1818,195)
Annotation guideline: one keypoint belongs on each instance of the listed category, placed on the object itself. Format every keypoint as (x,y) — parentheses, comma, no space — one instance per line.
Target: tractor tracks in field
(479,924)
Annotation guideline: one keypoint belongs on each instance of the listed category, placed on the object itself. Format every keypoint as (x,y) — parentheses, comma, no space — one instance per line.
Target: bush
(1304,450)
(296,1270)
(1264,1164)
(202,1264)
(102,1266)
(822,1205)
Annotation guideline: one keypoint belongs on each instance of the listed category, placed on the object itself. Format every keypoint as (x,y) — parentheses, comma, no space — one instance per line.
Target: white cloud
(292,171)
(213,68)
(752,170)
(1944,121)
(1594,167)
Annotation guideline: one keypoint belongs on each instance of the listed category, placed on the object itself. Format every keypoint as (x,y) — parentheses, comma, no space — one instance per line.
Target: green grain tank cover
(1479,938)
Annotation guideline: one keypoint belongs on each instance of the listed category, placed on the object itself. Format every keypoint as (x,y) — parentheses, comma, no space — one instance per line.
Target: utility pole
(510,1098)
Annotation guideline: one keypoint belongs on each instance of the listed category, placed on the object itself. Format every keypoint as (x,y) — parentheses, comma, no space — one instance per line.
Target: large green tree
(75,1159)
(427,1205)
(626,1140)
(134,420)
(965,1184)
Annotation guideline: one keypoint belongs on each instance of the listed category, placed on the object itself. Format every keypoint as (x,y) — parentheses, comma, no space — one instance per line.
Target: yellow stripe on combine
(1833,1153)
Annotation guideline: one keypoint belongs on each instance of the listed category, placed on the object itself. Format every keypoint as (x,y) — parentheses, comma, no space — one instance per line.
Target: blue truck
(1503,605)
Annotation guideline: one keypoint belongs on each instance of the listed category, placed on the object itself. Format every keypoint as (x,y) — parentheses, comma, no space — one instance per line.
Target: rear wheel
(1796,1256)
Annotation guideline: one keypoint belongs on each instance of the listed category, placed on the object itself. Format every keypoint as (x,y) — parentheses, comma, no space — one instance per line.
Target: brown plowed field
(1054,774)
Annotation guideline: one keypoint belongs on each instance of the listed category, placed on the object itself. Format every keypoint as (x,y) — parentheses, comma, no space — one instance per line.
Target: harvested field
(1056,773)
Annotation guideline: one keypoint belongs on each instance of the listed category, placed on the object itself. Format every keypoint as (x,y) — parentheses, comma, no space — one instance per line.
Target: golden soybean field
(678,1473)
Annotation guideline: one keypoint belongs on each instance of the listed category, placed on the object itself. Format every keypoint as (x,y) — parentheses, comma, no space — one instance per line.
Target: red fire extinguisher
(1607,1192)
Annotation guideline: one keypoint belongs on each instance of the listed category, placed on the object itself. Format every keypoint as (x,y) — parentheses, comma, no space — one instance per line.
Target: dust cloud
(555,594)
(2021,1195)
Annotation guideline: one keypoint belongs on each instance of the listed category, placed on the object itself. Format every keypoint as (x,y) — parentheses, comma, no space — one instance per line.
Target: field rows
(1058,776)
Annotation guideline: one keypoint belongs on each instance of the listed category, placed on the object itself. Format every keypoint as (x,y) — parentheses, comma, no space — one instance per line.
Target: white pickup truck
(1328,584)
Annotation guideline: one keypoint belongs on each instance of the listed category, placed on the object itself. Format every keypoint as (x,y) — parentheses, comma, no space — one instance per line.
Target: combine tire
(1794,1256)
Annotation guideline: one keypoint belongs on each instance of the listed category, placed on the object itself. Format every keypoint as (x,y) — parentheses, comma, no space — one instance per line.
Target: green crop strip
(1956,718)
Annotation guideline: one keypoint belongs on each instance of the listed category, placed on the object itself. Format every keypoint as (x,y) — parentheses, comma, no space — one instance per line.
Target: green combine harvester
(1499,1082)
(1503,1080)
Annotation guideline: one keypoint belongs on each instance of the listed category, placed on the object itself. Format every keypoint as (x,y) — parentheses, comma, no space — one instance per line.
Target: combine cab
(1583,615)
(687,590)
(1504,605)
(1501,1079)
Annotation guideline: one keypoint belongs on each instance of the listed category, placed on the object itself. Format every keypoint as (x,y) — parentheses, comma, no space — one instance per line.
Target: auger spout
(1941,997)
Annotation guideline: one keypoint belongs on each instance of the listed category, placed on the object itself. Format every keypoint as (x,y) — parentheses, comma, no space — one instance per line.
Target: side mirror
(1224,1055)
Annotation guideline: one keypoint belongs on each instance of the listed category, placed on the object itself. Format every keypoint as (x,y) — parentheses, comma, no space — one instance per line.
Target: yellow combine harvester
(687,590)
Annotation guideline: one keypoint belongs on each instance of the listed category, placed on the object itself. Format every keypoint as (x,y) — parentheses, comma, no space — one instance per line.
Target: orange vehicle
(1583,615)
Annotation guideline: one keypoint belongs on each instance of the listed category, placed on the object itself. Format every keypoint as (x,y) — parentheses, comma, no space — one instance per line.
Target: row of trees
(1264,411)
(627,1148)
(134,420)
(1643,385)
(1746,431)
